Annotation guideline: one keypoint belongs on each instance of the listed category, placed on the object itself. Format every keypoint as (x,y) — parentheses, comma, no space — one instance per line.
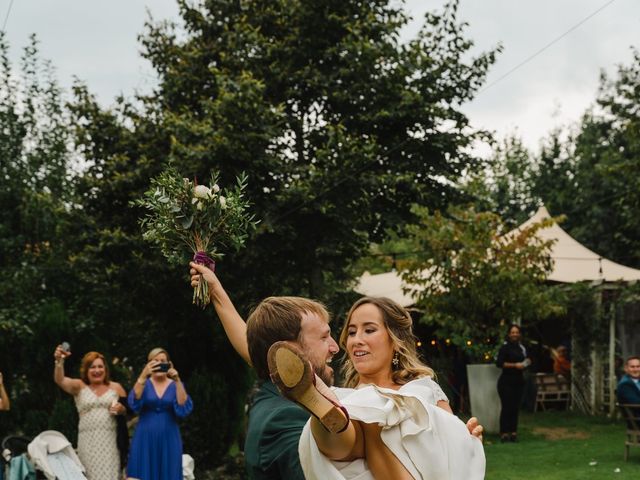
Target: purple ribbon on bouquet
(203,259)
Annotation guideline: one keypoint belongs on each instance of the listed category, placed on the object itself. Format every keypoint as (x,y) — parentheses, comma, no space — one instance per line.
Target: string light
(468,343)
(419,343)
(433,342)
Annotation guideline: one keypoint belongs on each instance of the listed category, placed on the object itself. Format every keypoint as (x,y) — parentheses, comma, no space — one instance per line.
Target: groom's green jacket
(271,446)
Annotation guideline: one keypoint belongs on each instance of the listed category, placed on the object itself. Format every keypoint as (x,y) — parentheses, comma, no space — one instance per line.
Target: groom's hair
(276,319)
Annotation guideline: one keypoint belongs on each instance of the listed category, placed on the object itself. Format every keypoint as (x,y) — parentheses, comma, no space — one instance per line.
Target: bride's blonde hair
(399,325)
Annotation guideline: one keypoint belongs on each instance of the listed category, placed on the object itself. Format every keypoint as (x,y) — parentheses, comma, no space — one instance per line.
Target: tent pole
(597,373)
(612,361)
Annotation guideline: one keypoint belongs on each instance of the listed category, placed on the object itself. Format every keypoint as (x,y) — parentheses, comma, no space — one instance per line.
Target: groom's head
(296,319)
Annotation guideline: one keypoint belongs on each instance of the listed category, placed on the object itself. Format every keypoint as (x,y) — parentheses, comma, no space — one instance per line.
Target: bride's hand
(208,275)
(475,428)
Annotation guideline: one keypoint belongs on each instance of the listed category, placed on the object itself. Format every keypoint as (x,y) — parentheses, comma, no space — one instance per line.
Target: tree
(607,162)
(339,125)
(471,278)
(506,184)
(587,173)
(39,205)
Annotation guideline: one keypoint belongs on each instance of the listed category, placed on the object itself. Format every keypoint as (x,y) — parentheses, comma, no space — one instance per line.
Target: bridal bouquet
(183,216)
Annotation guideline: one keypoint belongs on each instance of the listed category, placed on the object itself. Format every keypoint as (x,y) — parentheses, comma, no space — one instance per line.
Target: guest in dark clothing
(512,359)
(628,390)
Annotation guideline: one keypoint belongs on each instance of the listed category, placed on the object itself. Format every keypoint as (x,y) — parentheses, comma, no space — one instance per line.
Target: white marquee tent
(572,263)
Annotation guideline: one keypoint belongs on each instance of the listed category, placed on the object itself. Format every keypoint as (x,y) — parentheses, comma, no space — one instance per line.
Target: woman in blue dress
(160,399)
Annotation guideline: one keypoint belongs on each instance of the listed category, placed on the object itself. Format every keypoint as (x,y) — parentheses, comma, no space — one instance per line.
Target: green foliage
(38,198)
(64,419)
(505,185)
(589,174)
(210,430)
(200,218)
(382,257)
(336,121)
(588,325)
(607,162)
(472,278)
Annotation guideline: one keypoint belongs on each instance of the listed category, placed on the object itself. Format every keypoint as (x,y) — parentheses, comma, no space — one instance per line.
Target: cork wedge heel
(291,372)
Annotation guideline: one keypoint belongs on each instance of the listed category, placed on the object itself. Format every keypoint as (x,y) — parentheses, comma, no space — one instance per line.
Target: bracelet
(141,382)
(59,361)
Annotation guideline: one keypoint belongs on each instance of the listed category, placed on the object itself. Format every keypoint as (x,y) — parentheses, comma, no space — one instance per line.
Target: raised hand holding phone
(62,351)
(162,367)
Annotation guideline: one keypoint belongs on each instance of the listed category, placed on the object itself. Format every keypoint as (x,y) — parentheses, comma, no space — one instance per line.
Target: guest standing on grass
(160,399)
(5,404)
(98,402)
(512,359)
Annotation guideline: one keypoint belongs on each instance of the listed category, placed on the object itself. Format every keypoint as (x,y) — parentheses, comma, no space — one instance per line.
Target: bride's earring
(395,362)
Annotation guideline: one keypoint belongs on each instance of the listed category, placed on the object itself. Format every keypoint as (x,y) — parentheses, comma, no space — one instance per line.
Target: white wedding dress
(431,443)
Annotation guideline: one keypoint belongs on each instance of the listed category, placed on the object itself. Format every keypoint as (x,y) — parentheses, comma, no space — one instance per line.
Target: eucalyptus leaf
(187,222)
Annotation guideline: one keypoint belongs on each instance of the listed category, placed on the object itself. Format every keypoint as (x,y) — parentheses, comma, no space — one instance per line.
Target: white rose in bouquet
(201,191)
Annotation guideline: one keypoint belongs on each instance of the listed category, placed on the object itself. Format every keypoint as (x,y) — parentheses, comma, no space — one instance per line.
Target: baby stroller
(51,453)
(188,466)
(14,459)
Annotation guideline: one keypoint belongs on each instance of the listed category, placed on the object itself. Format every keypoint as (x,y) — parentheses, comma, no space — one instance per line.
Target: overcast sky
(97,42)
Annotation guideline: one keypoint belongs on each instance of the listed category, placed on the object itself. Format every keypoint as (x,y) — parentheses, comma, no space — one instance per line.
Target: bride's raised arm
(233,324)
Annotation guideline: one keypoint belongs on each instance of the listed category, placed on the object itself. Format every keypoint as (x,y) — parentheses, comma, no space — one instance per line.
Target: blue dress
(156,448)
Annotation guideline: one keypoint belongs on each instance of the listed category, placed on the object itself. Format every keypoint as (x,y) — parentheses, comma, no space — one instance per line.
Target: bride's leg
(382,462)
(344,446)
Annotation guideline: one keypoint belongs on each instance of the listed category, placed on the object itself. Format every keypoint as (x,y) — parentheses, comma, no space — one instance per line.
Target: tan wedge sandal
(291,372)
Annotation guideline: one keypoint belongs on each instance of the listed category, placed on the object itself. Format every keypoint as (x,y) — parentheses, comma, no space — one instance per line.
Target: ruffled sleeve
(136,404)
(181,411)
(438,394)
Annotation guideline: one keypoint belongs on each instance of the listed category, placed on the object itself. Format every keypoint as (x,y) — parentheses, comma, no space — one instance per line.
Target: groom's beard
(325,372)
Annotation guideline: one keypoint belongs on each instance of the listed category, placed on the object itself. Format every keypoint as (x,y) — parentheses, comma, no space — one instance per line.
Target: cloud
(97,42)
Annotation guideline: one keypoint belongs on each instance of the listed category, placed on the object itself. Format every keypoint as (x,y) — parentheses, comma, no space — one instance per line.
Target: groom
(275,423)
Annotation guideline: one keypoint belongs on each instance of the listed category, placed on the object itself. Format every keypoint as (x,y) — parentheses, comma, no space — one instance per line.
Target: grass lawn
(563,446)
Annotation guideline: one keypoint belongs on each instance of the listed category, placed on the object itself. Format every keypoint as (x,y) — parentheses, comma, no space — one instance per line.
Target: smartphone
(65,346)
(162,367)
